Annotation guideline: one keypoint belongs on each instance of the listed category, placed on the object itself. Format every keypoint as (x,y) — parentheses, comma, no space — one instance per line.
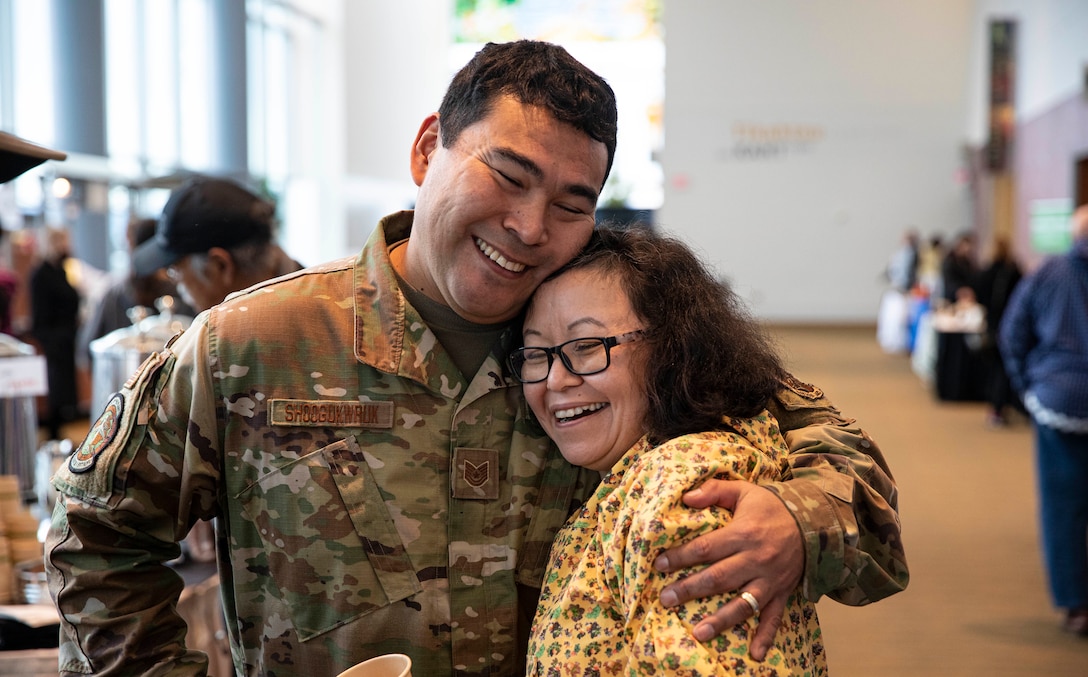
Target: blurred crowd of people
(1017,340)
(45,292)
(943,307)
(215,236)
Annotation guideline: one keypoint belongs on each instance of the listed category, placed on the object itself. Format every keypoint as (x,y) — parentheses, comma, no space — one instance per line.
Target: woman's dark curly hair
(707,356)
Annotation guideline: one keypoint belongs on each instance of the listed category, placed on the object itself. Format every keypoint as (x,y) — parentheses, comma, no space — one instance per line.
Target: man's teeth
(567,414)
(491,253)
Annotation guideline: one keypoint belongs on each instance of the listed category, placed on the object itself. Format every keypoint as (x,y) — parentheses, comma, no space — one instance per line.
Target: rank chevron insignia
(476,475)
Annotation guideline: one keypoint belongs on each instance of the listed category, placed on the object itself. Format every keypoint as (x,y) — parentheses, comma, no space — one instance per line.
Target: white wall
(802,138)
(314,222)
(395,72)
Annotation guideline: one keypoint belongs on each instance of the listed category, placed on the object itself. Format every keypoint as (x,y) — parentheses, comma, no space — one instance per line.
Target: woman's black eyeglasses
(581,356)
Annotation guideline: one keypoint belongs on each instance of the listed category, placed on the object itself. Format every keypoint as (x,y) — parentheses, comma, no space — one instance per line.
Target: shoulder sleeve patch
(805,390)
(100,436)
(89,473)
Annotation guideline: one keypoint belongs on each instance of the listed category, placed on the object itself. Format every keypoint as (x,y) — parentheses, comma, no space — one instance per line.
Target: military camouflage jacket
(367,498)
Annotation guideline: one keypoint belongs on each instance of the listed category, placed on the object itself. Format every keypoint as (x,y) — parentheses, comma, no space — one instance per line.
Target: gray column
(80,80)
(7,69)
(80,76)
(231,144)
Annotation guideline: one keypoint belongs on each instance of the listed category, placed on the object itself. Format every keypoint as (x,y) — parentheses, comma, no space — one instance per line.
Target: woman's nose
(560,377)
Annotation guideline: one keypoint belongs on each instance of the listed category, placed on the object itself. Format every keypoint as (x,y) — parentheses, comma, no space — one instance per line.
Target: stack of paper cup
(19,536)
(7,577)
(9,504)
(10,500)
(22,532)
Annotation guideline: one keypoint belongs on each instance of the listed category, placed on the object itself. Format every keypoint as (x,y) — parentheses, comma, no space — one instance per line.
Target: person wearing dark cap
(111,312)
(214,237)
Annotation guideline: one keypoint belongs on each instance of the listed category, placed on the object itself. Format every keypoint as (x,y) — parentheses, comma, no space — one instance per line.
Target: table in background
(961,373)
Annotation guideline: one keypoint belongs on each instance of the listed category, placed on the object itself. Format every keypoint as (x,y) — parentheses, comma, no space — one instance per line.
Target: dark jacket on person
(55,322)
(957,271)
(1044,334)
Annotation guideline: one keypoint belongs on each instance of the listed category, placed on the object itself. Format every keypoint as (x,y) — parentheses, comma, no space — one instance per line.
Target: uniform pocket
(332,547)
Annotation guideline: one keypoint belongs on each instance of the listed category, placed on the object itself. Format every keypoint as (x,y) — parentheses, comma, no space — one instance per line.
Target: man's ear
(220,268)
(426,142)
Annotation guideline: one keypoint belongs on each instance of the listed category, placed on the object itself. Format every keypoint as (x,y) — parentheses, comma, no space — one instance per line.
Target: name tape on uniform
(332,413)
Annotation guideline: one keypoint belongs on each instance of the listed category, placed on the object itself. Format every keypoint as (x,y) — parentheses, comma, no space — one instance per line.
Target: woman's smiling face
(594,419)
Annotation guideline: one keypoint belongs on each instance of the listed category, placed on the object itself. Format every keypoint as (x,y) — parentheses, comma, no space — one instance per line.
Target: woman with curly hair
(640,364)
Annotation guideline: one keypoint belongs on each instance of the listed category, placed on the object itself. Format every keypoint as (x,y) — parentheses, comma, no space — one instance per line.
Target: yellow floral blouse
(600,612)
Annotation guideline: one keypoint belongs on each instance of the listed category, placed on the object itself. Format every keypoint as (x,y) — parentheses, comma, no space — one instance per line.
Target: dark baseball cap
(201,214)
(18,155)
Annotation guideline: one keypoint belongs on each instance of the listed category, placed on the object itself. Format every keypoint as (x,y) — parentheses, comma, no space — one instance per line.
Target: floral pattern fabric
(600,611)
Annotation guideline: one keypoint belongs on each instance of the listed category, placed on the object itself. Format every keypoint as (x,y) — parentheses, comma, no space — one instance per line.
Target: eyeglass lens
(581,356)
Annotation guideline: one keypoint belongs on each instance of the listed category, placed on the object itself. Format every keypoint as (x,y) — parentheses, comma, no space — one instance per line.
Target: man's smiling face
(507,204)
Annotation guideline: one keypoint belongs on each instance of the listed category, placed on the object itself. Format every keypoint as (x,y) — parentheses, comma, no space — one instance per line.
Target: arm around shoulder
(841,491)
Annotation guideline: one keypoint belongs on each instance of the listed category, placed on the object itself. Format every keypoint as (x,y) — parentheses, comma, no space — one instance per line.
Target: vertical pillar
(80,80)
(231,124)
(7,70)
(1002,123)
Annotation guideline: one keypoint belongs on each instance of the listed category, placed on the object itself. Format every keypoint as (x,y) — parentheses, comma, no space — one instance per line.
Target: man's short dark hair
(536,74)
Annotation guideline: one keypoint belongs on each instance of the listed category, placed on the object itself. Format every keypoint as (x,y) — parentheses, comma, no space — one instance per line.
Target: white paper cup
(389,665)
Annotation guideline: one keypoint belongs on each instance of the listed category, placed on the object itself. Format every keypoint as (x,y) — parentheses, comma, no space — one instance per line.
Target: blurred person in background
(16,156)
(995,286)
(958,269)
(54,302)
(929,267)
(902,271)
(214,237)
(9,284)
(111,311)
(893,320)
(1044,341)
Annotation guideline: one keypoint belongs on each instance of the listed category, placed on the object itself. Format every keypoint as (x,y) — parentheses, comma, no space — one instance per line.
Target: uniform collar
(390,335)
(378,300)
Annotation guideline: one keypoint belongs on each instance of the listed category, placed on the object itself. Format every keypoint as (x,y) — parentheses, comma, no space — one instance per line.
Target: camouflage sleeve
(123,509)
(842,494)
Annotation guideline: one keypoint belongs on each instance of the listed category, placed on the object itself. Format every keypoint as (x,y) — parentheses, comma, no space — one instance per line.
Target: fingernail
(668,598)
(661,563)
(703,632)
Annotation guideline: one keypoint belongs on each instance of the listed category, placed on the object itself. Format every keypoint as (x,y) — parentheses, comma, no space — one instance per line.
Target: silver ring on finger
(751,601)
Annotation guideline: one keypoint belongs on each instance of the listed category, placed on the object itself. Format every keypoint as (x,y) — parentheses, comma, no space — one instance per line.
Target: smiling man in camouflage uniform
(378,483)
